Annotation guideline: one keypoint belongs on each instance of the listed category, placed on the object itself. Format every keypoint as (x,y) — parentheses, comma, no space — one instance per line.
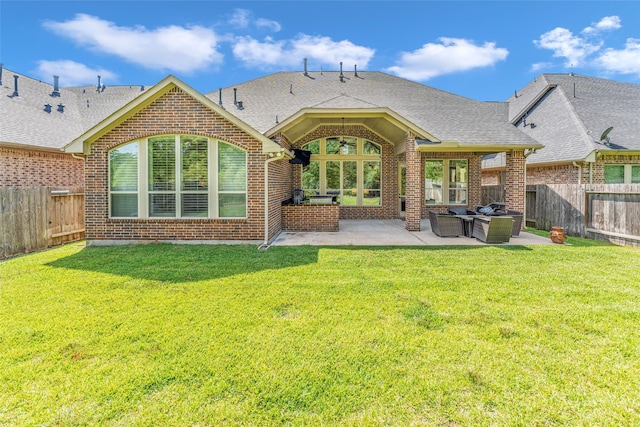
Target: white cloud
(625,61)
(268,24)
(449,56)
(166,48)
(605,24)
(540,66)
(290,53)
(565,44)
(240,18)
(73,73)
(243,18)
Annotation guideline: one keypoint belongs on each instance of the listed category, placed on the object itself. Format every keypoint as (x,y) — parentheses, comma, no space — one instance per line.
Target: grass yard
(162,335)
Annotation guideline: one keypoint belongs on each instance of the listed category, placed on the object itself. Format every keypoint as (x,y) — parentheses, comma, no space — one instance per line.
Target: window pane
(162,163)
(311,178)
(635,174)
(348,146)
(232,205)
(162,204)
(458,182)
(333,176)
(371,175)
(614,174)
(333,146)
(194,163)
(123,168)
(370,148)
(232,165)
(195,205)
(433,177)
(313,146)
(349,183)
(124,205)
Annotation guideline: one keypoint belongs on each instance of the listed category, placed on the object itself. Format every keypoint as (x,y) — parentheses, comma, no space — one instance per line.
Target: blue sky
(480,49)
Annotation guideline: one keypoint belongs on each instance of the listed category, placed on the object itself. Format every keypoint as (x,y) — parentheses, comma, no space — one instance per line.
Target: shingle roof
(24,121)
(447,116)
(571,111)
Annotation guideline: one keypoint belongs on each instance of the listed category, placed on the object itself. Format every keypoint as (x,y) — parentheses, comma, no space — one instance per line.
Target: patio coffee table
(467,224)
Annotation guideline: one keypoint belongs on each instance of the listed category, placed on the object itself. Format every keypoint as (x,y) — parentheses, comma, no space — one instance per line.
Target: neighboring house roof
(429,112)
(570,112)
(25,123)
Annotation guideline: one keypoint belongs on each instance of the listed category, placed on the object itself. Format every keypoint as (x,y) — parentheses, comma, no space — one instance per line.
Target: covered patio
(390,232)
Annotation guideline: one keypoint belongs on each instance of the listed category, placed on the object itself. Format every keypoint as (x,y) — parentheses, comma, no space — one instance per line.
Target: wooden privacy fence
(37,218)
(599,211)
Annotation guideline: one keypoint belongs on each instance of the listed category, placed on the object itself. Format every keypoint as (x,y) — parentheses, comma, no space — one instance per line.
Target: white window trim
(323,157)
(445,183)
(627,170)
(212,192)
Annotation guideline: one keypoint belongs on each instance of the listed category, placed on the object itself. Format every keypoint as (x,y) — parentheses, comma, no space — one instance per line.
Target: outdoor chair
(494,229)
(445,225)
(517,222)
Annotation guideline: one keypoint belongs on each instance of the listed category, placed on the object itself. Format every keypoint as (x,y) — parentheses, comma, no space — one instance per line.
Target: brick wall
(280,188)
(29,168)
(560,174)
(491,177)
(175,113)
(310,217)
(514,189)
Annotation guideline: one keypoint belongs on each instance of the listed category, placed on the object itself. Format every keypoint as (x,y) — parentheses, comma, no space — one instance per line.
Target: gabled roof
(570,113)
(25,123)
(449,118)
(82,143)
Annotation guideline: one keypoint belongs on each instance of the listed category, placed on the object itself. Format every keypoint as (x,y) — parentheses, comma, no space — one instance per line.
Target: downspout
(272,157)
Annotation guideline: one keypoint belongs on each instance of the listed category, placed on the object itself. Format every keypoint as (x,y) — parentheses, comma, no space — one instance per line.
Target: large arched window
(348,169)
(177,176)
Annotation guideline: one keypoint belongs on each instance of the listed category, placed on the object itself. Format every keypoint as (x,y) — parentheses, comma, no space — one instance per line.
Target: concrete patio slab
(389,233)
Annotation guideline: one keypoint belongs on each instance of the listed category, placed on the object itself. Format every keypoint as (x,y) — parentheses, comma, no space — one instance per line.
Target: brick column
(413,205)
(514,188)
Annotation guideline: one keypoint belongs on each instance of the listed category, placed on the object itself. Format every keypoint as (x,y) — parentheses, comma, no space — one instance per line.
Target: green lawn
(189,335)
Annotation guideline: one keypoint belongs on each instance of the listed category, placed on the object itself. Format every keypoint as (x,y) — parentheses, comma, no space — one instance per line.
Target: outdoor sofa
(444,225)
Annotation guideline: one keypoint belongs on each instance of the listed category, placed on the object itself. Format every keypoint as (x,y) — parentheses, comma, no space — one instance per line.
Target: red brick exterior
(21,168)
(514,189)
(414,199)
(566,173)
(310,217)
(177,113)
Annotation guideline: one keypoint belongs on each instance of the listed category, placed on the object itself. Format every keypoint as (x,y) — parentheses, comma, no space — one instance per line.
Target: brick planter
(310,217)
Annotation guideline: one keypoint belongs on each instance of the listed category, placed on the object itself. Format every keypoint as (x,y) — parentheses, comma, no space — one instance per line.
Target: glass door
(402,189)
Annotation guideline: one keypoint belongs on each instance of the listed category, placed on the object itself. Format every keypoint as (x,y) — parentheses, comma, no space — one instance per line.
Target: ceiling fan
(345,146)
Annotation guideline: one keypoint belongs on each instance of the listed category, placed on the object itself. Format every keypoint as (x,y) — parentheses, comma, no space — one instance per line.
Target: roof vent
(61,108)
(341,75)
(305,68)
(220,97)
(99,84)
(355,69)
(240,106)
(141,88)
(15,85)
(56,89)
(47,108)
(1,67)
(235,96)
